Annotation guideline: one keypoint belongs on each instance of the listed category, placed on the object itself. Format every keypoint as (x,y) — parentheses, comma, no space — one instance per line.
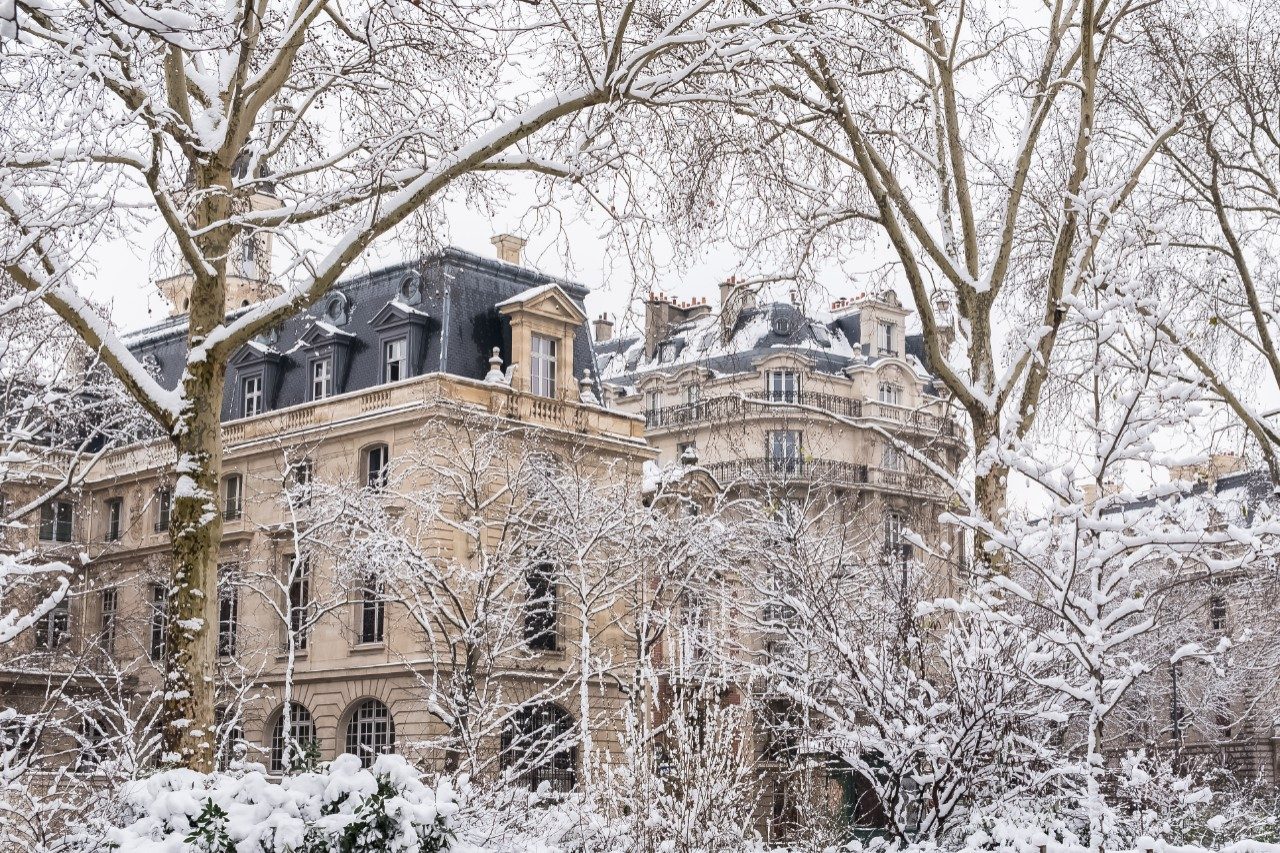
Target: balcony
(825,472)
(733,406)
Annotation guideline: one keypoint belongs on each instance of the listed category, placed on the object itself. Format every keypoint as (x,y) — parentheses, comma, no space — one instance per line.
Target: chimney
(602,329)
(734,299)
(509,246)
(658,320)
(696,308)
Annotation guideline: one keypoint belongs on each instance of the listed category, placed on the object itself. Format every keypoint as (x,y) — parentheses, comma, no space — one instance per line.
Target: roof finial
(495,374)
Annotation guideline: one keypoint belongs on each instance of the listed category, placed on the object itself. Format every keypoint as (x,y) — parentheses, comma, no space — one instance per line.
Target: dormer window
(322,378)
(667,353)
(891,393)
(251,396)
(543,355)
(395,360)
(888,338)
(782,386)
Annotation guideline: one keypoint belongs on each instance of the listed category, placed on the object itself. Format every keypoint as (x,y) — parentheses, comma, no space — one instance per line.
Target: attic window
(887,338)
(667,353)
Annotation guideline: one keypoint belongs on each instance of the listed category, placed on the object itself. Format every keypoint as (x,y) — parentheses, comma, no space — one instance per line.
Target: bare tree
(351,120)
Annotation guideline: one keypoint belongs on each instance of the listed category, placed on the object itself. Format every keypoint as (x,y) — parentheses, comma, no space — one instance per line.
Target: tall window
(93,741)
(894,545)
(395,360)
(377,461)
(782,386)
(228,613)
(370,731)
(159,621)
(888,338)
(693,394)
(286,755)
(299,600)
(372,611)
(652,404)
(115,519)
(321,378)
(298,482)
(784,450)
(1218,612)
(537,747)
(892,459)
(107,619)
(891,393)
(232,497)
(251,396)
(541,615)
(164,506)
(53,628)
(544,365)
(55,521)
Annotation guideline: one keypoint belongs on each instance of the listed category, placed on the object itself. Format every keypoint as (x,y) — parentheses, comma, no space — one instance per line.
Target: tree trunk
(196,530)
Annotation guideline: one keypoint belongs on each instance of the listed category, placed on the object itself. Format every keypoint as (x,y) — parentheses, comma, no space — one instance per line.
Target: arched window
(537,747)
(370,731)
(375,465)
(302,734)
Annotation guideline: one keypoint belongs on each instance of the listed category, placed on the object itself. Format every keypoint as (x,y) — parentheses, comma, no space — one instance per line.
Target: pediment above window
(398,313)
(548,301)
(322,333)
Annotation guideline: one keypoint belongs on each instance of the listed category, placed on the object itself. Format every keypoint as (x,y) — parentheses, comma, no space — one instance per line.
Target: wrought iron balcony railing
(732,406)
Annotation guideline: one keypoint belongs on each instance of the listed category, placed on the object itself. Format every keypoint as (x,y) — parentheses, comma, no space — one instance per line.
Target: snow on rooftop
(531,293)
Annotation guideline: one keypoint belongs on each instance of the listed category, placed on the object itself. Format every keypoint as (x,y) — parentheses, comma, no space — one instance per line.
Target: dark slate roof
(832,345)
(1248,488)
(456,290)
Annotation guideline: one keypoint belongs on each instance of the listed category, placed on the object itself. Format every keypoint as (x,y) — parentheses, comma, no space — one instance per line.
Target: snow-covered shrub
(342,808)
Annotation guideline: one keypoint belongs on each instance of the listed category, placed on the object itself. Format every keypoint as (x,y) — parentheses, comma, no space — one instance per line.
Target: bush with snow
(342,808)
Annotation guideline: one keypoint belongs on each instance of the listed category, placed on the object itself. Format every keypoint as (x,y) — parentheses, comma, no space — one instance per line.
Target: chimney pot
(602,329)
(509,246)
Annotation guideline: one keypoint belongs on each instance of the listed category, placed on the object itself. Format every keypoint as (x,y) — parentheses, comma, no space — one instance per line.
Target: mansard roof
(454,294)
(831,344)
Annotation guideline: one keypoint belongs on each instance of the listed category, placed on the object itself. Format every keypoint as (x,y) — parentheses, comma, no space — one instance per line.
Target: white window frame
(232,497)
(322,378)
(395,359)
(544,355)
(891,393)
(791,444)
(783,386)
(888,334)
(251,396)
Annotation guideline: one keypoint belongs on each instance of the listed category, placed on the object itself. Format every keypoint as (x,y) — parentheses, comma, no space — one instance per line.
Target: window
(321,378)
(159,621)
(287,754)
(1218,612)
(115,517)
(892,459)
(537,747)
(692,395)
(229,738)
(377,460)
(232,497)
(298,482)
(107,619)
(652,404)
(251,396)
(782,386)
(541,612)
(888,334)
(784,450)
(395,360)
(372,611)
(93,737)
(687,452)
(228,613)
(164,506)
(299,601)
(544,365)
(55,521)
(895,546)
(370,731)
(53,628)
(891,393)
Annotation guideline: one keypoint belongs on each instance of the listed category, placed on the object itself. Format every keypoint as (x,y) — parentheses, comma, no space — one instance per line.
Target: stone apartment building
(772,399)
(340,396)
